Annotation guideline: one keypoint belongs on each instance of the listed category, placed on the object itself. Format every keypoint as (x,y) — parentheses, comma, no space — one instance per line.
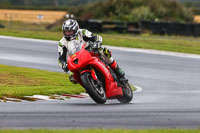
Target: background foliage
(135,10)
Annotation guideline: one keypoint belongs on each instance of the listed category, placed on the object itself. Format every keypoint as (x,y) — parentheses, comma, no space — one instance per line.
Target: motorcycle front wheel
(127,93)
(94,88)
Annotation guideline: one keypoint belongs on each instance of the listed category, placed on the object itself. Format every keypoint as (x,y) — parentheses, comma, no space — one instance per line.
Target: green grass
(28,30)
(166,43)
(103,131)
(19,82)
(32,34)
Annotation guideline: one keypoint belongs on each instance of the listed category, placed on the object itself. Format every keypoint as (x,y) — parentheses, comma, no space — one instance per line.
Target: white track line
(148,51)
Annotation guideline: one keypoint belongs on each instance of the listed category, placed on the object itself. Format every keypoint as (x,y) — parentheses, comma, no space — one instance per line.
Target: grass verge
(166,43)
(17,82)
(104,131)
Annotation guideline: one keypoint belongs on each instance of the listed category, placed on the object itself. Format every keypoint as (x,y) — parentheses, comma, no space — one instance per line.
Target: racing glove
(107,52)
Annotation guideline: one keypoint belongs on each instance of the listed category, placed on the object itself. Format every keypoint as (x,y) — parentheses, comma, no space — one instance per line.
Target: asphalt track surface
(170,97)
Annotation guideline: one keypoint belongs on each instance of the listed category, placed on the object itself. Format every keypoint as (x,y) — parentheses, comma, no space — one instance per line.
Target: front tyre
(127,93)
(94,88)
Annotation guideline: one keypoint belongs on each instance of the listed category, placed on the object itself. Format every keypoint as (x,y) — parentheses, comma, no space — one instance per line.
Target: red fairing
(82,59)
(83,56)
(92,73)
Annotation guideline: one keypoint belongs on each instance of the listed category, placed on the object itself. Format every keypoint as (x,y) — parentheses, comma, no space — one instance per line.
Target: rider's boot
(115,67)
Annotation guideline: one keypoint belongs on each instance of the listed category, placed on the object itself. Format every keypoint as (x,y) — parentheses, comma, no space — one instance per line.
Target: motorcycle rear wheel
(96,91)
(127,93)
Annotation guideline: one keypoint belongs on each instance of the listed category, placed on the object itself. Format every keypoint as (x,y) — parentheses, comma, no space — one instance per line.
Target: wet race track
(170,96)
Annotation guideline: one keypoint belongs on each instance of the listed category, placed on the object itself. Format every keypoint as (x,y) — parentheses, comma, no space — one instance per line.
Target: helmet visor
(68,32)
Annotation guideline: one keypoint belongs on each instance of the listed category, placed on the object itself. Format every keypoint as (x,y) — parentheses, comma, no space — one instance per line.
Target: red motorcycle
(98,79)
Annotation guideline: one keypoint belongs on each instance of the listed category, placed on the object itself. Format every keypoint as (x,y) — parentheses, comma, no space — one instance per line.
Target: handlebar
(94,46)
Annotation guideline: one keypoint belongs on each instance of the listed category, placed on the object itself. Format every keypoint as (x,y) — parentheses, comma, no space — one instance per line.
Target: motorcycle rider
(71,32)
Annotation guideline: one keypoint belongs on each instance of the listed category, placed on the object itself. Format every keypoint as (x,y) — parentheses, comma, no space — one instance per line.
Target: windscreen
(74,46)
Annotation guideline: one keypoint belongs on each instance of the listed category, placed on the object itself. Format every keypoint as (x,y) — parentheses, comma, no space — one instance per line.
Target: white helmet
(70,29)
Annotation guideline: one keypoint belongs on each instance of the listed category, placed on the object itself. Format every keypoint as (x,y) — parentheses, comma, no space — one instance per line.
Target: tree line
(135,10)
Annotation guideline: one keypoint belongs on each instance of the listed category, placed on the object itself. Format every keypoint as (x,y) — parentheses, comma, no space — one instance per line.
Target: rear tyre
(127,93)
(94,88)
